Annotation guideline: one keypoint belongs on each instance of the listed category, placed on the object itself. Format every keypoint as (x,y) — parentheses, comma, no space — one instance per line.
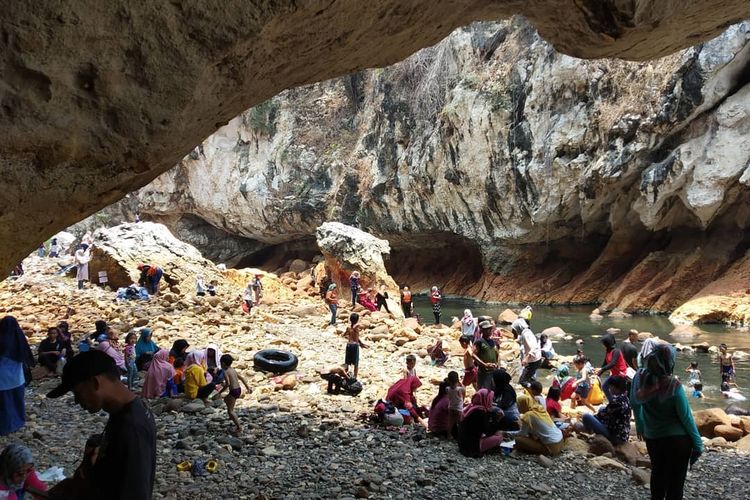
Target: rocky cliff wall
(498,167)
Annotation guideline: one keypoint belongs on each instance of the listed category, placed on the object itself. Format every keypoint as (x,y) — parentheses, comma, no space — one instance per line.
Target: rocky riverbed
(301,442)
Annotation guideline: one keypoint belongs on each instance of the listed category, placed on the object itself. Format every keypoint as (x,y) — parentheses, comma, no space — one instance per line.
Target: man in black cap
(122,462)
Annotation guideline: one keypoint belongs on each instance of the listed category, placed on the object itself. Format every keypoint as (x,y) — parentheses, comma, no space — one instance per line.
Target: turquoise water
(575,321)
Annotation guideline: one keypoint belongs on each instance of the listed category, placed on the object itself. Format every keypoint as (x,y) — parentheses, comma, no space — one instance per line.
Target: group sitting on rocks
(499,418)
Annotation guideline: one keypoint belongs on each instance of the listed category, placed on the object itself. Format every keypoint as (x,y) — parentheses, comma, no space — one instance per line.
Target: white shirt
(531,345)
(455,398)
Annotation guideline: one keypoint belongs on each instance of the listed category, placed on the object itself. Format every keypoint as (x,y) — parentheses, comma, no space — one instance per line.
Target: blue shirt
(11,374)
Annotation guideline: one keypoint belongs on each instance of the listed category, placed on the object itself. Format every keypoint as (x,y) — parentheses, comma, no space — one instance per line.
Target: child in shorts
(232,381)
(353,344)
(470,367)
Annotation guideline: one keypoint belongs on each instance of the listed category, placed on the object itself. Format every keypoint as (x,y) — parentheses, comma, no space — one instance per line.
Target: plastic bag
(52,475)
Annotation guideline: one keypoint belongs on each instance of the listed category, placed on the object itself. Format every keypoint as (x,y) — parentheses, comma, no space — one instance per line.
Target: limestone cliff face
(496,167)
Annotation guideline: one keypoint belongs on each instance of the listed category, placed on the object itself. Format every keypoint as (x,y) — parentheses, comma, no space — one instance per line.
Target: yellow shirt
(195,378)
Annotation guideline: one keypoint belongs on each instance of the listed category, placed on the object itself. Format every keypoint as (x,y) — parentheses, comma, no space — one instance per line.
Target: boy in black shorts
(353,344)
(232,382)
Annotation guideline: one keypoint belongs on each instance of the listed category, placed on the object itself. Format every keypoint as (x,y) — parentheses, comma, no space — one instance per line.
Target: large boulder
(506,317)
(599,445)
(707,420)
(728,432)
(685,331)
(554,332)
(735,409)
(743,445)
(347,249)
(118,251)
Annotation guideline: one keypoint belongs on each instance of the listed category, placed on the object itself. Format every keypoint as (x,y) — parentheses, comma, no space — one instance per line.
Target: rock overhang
(98,99)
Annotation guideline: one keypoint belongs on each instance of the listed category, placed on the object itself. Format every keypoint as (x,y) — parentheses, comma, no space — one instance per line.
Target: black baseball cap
(83,367)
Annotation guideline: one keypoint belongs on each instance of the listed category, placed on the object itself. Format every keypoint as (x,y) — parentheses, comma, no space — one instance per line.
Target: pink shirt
(31,481)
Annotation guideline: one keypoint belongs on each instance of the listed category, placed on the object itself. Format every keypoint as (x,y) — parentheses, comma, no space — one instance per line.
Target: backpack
(351,387)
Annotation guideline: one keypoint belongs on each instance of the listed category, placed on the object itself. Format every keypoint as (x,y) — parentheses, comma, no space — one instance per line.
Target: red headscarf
(402,392)
(481,401)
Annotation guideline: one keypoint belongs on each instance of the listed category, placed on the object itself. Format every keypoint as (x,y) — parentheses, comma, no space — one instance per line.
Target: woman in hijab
(198,383)
(212,360)
(178,350)
(108,348)
(437,354)
(66,338)
(101,328)
(505,400)
(436,298)
(401,394)
(145,349)
(17,474)
(614,362)
(476,432)
(663,417)
(468,323)
(539,435)
(14,355)
(160,372)
(82,258)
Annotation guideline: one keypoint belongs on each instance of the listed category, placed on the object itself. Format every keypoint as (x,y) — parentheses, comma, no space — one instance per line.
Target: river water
(575,321)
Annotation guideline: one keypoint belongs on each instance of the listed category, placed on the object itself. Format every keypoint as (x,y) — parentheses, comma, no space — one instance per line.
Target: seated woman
(196,383)
(211,357)
(159,379)
(447,407)
(613,420)
(66,338)
(401,394)
(437,354)
(505,400)
(539,435)
(106,346)
(145,349)
(366,302)
(179,375)
(476,433)
(51,350)
(178,350)
(553,402)
(17,474)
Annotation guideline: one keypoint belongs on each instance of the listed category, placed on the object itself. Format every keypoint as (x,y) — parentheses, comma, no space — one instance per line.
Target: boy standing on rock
(470,367)
(353,344)
(122,465)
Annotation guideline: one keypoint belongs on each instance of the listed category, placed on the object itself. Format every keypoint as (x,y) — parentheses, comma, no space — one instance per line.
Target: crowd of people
(498,414)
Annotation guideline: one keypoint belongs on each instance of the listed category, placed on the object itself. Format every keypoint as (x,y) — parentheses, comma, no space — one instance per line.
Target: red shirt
(554,408)
(620,368)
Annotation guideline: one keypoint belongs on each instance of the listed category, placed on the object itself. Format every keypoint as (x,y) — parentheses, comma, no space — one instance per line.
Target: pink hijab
(481,401)
(159,373)
(402,392)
